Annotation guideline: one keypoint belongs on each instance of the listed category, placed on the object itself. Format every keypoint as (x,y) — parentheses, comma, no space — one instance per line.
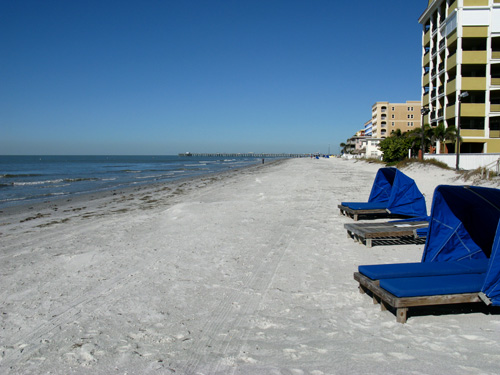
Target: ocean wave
(20,175)
(80,179)
(38,182)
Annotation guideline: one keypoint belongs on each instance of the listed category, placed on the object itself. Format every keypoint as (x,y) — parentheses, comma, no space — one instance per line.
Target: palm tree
(442,134)
(343,145)
(416,136)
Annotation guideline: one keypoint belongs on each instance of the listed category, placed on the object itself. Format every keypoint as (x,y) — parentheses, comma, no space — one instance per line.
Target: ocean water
(29,179)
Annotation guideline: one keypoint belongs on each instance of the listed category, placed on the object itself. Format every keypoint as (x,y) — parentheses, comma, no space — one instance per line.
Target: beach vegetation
(395,147)
(409,161)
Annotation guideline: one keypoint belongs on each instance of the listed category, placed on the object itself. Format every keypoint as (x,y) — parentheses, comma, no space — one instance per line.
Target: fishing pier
(245,155)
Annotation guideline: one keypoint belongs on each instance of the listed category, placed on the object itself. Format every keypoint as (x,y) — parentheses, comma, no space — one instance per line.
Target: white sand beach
(247,272)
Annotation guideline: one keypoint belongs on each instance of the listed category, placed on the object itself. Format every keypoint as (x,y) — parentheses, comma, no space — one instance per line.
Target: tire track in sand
(28,343)
(224,319)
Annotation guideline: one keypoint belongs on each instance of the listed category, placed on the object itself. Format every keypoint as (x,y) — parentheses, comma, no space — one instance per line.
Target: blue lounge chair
(461,259)
(393,193)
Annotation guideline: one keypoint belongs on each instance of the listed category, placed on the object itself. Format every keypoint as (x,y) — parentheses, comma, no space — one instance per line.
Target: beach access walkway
(246,272)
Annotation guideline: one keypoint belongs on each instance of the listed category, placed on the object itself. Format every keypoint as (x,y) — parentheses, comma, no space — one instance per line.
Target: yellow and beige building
(388,117)
(461,54)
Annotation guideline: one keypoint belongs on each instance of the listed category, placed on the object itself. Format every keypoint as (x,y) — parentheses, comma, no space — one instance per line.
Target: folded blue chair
(392,193)
(461,258)
(395,232)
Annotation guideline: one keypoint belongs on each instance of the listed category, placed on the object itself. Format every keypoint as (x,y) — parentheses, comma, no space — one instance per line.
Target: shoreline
(60,210)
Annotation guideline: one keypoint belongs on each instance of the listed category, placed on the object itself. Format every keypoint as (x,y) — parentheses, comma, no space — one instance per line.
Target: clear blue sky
(168,76)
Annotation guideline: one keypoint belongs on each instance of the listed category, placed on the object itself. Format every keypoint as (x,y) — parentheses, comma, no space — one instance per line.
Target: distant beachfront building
(354,145)
(362,145)
(388,117)
(461,54)
(368,128)
(372,149)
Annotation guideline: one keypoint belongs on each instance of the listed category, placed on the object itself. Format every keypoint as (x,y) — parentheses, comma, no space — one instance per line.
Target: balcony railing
(474,57)
(473,83)
(450,111)
(472,109)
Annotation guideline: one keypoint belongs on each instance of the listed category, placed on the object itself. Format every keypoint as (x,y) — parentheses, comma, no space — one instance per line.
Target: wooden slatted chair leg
(401,314)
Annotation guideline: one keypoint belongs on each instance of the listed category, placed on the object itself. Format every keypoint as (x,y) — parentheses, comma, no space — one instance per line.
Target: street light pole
(424,111)
(457,143)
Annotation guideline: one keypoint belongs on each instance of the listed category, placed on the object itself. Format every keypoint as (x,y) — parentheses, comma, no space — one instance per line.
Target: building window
(392,115)
(410,109)
(392,123)
(393,108)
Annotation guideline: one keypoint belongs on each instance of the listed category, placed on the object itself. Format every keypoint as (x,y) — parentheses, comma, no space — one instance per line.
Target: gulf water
(30,179)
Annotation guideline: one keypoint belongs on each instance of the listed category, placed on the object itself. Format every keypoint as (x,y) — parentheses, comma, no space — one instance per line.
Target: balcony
(475,3)
(472,133)
(427,38)
(451,62)
(450,112)
(452,38)
(452,7)
(475,31)
(426,80)
(495,133)
(451,87)
(425,99)
(474,57)
(473,109)
(473,83)
(427,59)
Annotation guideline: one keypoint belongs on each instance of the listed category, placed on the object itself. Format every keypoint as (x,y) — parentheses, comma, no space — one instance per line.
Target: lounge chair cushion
(398,270)
(433,285)
(365,205)
(422,232)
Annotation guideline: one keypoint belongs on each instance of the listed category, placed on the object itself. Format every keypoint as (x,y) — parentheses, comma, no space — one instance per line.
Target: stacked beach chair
(393,194)
(460,261)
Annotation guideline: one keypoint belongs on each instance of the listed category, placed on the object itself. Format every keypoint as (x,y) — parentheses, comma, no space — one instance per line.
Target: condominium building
(461,70)
(368,128)
(388,117)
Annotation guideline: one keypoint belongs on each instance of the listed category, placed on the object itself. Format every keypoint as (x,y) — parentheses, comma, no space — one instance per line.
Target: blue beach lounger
(461,259)
(392,193)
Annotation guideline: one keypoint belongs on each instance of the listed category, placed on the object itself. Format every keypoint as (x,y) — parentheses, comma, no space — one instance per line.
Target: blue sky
(163,77)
